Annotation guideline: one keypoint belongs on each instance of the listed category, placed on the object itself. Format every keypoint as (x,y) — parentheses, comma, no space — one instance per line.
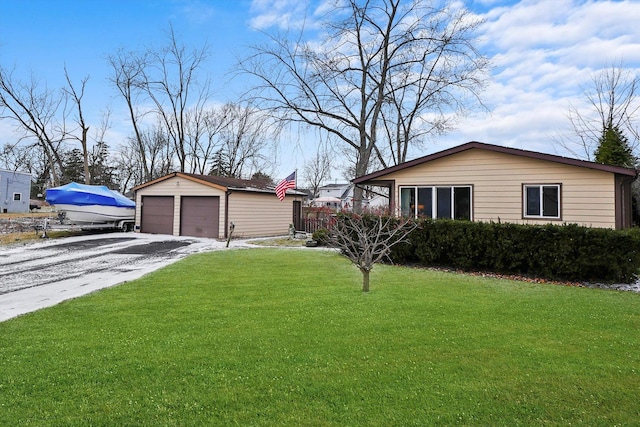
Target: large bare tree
(317,169)
(202,128)
(136,165)
(38,115)
(16,157)
(128,78)
(244,140)
(81,133)
(394,65)
(171,81)
(168,87)
(612,102)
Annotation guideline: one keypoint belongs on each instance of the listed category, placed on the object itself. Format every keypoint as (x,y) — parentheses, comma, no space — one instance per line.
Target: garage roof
(221,183)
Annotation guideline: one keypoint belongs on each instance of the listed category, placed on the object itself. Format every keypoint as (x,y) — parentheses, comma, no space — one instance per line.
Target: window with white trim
(451,202)
(541,201)
(17,197)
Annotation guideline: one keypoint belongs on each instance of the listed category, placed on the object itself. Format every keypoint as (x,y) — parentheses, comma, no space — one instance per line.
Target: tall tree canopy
(190,133)
(381,75)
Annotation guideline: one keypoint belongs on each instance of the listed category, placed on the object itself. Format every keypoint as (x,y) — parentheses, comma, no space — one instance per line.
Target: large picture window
(541,201)
(436,202)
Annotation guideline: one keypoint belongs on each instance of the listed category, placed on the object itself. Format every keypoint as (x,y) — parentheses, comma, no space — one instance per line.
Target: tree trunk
(358,193)
(85,155)
(362,165)
(365,280)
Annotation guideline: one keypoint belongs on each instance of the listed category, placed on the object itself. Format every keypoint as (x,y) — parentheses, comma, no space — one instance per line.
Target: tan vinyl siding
(257,214)
(178,187)
(587,195)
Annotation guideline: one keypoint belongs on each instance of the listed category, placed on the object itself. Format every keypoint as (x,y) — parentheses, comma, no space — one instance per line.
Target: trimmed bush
(555,252)
(321,236)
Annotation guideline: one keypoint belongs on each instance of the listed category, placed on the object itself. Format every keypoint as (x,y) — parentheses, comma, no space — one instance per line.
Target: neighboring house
(334,196)
(308,194)
(483,182)
(344,192)
(183,204)
(15,189)
(339,191)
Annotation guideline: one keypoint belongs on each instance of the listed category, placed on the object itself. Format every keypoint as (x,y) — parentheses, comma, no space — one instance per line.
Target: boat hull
(96,214)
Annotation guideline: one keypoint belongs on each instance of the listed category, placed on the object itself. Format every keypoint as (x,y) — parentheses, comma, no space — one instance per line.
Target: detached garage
(183,204)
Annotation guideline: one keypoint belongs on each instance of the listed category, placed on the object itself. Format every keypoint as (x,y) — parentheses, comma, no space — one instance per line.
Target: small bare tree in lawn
(368,238)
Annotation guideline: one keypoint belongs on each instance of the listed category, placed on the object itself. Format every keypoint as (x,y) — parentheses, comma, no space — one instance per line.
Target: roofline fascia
(154,181)
(202,181)
(211,184)
(178,175)
(268,192)
(496,148)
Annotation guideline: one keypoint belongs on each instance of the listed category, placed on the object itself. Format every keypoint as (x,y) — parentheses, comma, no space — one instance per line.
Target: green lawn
(285,337)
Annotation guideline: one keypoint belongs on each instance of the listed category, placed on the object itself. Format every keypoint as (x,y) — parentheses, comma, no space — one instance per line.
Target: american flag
(285,184)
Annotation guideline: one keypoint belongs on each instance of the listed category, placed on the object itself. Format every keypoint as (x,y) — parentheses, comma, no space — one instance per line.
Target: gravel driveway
(43,274)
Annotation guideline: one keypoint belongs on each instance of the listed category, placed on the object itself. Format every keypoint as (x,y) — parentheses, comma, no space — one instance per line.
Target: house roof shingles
(232,183)
(221,182)
(496,148)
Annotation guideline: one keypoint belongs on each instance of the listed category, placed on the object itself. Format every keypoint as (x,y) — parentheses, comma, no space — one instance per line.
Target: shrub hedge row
(556,252)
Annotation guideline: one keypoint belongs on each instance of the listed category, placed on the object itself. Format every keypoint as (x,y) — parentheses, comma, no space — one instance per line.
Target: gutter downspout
(624,205)
(226,212)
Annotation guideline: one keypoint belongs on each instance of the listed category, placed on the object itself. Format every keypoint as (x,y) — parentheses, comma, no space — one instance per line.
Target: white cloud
(554,25)
(545,54)
(197,11)
(282,14)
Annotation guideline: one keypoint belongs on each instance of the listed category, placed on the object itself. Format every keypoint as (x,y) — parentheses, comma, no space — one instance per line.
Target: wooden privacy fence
(314,218)
(315,224)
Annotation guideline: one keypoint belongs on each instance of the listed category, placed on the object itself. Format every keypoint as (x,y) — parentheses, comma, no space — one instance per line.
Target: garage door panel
(157,215)
(199,216)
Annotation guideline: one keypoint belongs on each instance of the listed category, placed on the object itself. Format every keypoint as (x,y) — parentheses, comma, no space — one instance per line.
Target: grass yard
(271,337)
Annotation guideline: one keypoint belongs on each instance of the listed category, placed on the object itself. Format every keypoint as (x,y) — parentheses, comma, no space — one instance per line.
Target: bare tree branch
(34,112)
(169,81)
(243,140)
(76,96)
(128,78)
(318,169)
(367,239)
(386,67)
(612,102)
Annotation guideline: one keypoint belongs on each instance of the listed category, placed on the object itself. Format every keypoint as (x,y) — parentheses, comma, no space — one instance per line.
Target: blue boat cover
(84,195)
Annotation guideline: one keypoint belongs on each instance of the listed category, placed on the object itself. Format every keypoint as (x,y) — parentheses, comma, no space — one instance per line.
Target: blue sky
(544,52)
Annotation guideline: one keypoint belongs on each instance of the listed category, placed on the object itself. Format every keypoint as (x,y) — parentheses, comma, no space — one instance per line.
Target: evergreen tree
(262,177)
(101,172)
(613,148)
(73,163)
(220,165)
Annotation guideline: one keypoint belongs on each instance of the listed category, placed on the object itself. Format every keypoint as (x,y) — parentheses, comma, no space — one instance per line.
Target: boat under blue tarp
(85,195)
